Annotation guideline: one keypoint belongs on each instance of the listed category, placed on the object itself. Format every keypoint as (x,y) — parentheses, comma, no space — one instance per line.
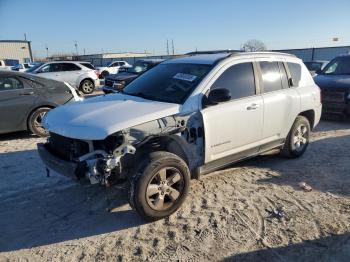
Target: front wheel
(159,186)
(87,86)
(35,121)
(298,138)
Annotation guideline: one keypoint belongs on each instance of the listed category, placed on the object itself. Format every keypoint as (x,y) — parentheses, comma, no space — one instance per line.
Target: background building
(16,49)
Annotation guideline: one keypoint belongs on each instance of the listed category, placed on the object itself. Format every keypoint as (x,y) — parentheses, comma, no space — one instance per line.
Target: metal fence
(321,53)
(306,54)
(131,60)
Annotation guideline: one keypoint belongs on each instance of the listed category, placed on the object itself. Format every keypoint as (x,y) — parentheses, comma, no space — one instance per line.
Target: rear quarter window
(88,65)
(295,72)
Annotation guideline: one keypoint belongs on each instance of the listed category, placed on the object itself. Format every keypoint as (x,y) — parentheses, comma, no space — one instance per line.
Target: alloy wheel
(165,188)
(300,138)
(38,123)
(87,87)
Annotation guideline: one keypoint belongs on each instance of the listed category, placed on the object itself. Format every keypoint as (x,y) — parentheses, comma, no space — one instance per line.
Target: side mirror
(219,95)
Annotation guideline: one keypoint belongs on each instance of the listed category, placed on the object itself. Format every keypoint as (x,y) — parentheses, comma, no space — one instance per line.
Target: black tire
(104,74)
(298,138)
(87,86)
(34,121)
(147,178)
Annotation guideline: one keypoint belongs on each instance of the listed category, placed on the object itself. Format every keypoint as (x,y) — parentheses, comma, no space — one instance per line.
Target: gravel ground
(224,217)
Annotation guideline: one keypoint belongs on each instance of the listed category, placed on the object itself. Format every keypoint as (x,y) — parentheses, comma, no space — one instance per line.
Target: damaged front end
(96,160)
(105,161)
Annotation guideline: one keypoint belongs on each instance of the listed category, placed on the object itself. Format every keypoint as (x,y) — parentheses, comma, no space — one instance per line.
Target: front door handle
(253,106)
(27,93)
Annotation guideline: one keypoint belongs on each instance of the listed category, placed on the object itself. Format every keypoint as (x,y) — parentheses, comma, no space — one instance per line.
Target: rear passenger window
(69,67)
(271,76)
(295,71)
(88,65)
(239,79)
(10,83)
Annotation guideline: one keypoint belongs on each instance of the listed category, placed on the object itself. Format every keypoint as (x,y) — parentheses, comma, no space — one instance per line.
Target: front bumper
(56,164)
(336,101)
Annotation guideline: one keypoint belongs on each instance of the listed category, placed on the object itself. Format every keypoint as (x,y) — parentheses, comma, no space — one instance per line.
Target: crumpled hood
(96,118)
(333,81)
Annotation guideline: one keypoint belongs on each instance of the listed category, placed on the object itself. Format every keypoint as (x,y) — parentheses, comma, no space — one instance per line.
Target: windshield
(171,83)
(313,66)
(32,69)
(138,67)
(19,66)
(338,66)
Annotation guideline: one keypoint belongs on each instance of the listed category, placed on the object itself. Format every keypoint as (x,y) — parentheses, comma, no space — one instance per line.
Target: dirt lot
(224,218)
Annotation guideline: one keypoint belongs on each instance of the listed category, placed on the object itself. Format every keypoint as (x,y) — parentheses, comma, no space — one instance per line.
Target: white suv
(81,75)
(112,68)
(184,118)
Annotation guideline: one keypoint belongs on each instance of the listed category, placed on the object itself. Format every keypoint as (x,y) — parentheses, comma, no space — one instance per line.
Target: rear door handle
(253,107)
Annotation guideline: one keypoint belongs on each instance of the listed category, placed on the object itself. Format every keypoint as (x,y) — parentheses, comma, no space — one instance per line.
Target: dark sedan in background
(117,82)
(334,81)
(25,99)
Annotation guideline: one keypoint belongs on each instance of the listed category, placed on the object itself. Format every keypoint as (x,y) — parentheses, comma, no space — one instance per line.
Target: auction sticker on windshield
(185,77)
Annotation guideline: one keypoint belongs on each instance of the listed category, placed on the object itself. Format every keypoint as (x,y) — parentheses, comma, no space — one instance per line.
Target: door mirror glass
(219,95)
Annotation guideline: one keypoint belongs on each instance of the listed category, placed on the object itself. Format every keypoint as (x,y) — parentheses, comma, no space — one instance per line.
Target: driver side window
(45,69)
(238,79)
(50,68)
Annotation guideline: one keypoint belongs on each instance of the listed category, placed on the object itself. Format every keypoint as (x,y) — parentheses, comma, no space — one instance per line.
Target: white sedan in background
(112,68)
(81,75)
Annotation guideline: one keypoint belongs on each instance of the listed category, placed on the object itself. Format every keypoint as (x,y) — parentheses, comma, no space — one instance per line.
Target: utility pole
(172,43)
(47,51)
(84,51)
(76,47)
(167,47)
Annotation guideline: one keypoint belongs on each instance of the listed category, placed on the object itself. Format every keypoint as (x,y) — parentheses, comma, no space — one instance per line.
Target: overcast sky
(139,26)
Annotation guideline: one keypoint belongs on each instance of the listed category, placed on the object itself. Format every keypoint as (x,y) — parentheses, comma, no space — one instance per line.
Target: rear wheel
(35,121)
(159,186)
(87,86)
(298,138)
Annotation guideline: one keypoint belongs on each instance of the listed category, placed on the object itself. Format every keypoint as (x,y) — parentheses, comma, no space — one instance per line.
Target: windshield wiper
(142,95)
(139,94)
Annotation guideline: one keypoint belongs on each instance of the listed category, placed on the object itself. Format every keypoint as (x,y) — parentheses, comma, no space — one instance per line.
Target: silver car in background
(81,75)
